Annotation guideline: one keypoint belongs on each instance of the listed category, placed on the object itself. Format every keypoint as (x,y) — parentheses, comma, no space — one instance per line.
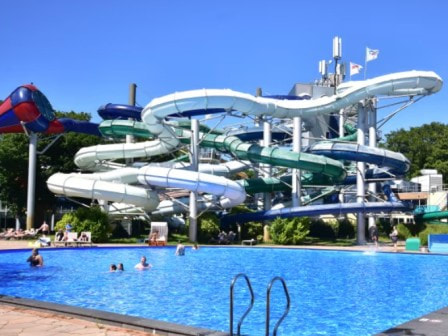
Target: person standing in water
(35,259)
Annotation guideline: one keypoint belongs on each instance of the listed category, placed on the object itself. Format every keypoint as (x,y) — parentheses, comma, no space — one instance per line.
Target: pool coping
(161,328)
(432,324)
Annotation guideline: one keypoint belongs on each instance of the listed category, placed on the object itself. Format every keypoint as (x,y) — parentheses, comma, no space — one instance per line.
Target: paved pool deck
(22,317)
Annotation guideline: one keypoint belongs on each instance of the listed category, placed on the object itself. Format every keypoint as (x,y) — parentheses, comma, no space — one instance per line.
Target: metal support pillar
(341,134)
(258,197)
(360,186)
(267,139)
(267,201)
(372,143)
(341,122)
(194,149)
(132,100)
(32,156)
(296,173)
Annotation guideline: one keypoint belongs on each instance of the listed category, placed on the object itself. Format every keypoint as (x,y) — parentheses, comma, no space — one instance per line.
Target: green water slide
(351,136)
(244,151)
(431,216)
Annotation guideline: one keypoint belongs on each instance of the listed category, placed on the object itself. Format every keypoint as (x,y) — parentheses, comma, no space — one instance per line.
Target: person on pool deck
(44,228)
(59,235)
(143,265)
(373,232)
(394,237)
(35,259)
(153,237)
(120,267)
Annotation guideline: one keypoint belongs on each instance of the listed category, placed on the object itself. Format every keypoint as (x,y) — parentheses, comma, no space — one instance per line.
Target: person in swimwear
(142,265)
(35,259)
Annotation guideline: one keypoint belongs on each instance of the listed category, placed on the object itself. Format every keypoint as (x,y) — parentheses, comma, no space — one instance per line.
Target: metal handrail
(252,299)
(268,308)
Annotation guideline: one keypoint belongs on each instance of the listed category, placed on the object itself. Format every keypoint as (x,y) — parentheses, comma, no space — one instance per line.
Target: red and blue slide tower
(28,108)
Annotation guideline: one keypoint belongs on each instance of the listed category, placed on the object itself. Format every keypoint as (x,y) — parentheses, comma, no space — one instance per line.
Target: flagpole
(365,66)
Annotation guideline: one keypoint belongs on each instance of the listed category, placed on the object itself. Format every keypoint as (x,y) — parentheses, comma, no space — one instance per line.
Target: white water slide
(113,185)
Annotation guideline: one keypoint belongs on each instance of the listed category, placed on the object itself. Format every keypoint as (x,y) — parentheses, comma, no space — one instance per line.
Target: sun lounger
(72,239)
(85,238)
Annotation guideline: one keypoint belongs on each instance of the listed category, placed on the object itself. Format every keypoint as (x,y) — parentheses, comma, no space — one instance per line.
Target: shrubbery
(87,219)
(432,229)
(252,230)
(332,229)
(208,227)
(286,231)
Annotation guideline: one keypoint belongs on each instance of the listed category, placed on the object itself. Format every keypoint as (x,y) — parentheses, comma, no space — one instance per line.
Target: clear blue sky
(82,54)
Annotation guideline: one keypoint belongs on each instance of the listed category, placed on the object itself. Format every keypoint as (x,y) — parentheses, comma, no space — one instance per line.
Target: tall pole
(360,186)
(267,201)
(258,198)
(193,231)
(296,173)
(372,143)
(132,100)
(267,139)
(32,156)
(341,123)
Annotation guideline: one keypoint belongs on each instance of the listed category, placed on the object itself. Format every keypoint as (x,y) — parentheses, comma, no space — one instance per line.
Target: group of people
(374,235)
(224,238)
(18,234)
(114,267)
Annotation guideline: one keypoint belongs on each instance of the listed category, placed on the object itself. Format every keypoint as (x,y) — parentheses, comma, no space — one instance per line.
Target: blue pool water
(332,293)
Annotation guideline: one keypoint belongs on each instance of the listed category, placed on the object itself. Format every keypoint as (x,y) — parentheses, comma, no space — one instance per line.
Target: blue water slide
(80,126)
(397,162)
(120,111)
(315,210)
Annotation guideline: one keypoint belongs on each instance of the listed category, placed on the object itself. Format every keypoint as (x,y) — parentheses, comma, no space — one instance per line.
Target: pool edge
(161,328)
(432,324)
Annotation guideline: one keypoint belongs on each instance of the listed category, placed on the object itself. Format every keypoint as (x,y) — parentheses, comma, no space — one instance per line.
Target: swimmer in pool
(35,259)
(143,265)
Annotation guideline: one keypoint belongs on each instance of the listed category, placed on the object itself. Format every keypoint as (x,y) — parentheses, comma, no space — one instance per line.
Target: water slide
(430,216)
(168,138)
(27,109)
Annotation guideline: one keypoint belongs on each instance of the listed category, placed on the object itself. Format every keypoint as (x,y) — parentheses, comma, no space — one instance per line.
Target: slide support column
(130,137)
(32,157)
(360,186)
(267,138)
(296,173)
(194,149)
(372,143)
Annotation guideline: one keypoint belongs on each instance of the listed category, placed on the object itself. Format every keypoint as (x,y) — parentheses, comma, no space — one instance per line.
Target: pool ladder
(252,300)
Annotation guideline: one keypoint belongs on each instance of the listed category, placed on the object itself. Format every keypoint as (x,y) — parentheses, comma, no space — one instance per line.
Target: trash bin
(413,244)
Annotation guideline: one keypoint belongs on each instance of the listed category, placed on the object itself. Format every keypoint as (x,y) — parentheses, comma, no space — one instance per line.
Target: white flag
(371,54)
(354,68)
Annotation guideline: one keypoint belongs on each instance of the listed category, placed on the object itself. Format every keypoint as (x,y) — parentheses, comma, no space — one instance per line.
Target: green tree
(425,146)
(208,227)
(59,158)
(87,219)
(287,231)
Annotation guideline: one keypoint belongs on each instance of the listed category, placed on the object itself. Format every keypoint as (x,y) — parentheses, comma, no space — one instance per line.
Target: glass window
(43,105)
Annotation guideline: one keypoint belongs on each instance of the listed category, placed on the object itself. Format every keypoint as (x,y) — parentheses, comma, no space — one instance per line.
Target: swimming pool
(332,292)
